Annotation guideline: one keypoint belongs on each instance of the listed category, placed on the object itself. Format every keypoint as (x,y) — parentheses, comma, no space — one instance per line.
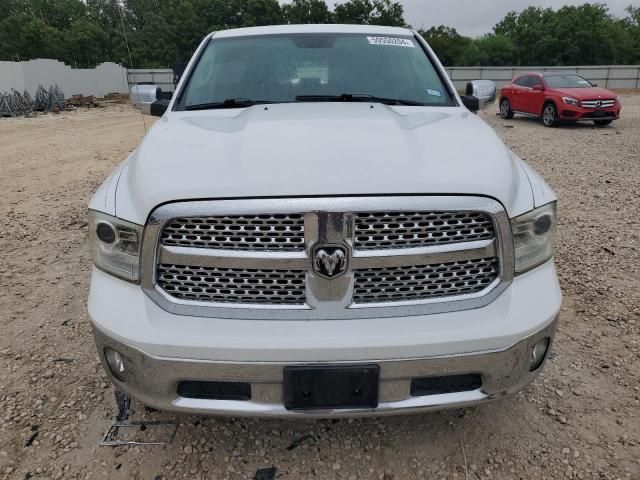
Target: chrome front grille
(422,282)
(598,103)
(380,230)
(233,285)
(274,258)
(237,232)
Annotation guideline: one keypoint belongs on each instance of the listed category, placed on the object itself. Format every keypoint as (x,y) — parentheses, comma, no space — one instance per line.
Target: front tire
(550,115)
(505,109)
(602,123)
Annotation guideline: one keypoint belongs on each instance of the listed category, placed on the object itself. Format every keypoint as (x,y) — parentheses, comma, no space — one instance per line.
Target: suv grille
(397,284)
(238,232)
(381,230)
(598,103)
(233,285)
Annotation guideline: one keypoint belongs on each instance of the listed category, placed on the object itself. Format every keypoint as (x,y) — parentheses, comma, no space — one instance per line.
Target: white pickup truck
(317,226)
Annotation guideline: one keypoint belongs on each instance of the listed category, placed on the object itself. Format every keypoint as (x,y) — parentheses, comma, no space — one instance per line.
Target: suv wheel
(505,109)
(550,115)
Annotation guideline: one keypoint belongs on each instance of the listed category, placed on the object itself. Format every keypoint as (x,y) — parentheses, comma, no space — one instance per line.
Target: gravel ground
(580,419)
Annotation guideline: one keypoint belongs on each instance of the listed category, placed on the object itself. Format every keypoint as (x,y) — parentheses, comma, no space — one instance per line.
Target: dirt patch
(580,419)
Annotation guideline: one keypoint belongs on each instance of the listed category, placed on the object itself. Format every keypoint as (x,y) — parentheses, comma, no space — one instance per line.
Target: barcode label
(392,41)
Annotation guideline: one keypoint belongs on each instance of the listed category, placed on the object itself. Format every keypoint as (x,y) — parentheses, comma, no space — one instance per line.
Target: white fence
(110,77)
(162,77)
(105,78)
(607,76)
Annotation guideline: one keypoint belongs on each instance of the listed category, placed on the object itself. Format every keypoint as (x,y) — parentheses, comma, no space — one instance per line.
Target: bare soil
(580,419)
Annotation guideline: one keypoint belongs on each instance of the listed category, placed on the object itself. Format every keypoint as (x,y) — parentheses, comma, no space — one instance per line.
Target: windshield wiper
(228,103)
(356,97)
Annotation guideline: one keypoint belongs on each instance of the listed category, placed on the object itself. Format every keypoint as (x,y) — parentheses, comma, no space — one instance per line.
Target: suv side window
(522,81)
(533,81)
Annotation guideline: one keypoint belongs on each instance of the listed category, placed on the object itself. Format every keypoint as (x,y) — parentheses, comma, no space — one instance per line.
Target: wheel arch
(546,102)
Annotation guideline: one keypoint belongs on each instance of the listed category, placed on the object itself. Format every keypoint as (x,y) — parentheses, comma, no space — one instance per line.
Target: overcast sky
(476,17)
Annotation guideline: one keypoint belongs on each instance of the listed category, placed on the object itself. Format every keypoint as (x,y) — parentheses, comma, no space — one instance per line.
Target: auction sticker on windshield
(395,42)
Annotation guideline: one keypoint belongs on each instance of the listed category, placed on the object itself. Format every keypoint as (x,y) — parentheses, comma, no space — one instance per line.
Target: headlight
(570,101)
(115,245)
(533,237)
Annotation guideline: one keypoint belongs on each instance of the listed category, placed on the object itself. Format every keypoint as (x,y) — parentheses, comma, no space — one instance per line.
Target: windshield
(313,67)
(567,81)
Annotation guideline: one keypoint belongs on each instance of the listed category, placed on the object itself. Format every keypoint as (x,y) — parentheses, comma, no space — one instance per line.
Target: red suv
(559,96)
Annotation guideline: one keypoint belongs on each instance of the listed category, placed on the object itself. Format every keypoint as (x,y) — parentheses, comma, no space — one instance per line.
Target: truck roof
(328,28)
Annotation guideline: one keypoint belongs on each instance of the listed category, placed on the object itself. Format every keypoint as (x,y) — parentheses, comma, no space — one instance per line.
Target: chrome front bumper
(153,380)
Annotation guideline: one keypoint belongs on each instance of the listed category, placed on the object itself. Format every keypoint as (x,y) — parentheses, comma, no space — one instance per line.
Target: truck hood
(311,149)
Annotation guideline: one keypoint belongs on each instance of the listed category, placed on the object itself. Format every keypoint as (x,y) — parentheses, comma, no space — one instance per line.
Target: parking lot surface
(579,420)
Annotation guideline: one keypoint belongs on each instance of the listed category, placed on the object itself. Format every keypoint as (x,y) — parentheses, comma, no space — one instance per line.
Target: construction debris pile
(51,100)
(80,100)
(15,104)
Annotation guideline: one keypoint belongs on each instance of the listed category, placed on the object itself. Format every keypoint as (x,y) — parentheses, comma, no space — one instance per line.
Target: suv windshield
(241,71)
(567,81)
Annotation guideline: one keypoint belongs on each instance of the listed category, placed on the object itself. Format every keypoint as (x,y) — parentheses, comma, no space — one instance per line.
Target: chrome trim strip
(408,405)
(402,257)
(331,219)
(203,257)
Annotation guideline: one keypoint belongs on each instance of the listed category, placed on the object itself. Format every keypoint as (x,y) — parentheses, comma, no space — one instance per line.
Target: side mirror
(538,88)
(471,102)
(141,95)
(150,99)
(483,90)
(158,108)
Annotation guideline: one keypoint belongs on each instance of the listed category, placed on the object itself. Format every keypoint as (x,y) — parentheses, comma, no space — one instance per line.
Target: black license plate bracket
(331,387)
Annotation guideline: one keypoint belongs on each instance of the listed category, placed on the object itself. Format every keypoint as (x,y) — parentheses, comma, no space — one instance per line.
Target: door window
(534,81)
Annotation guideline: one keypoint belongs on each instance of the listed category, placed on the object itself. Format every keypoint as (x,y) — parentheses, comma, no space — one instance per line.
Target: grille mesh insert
(384,230)
(396,284)
(238,232)
(233,285)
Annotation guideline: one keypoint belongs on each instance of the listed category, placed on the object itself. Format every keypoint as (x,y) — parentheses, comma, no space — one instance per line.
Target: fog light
(538,353)
(115,363)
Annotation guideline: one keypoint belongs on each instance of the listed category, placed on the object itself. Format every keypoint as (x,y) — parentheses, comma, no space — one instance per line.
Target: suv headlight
(570,101)
(533,237)
(115,245)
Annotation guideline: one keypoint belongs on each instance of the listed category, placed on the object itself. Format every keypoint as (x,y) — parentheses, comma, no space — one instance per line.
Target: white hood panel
(311,149)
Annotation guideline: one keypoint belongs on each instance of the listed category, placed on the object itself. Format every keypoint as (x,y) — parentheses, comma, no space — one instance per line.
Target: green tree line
(573,35)
(162,33)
